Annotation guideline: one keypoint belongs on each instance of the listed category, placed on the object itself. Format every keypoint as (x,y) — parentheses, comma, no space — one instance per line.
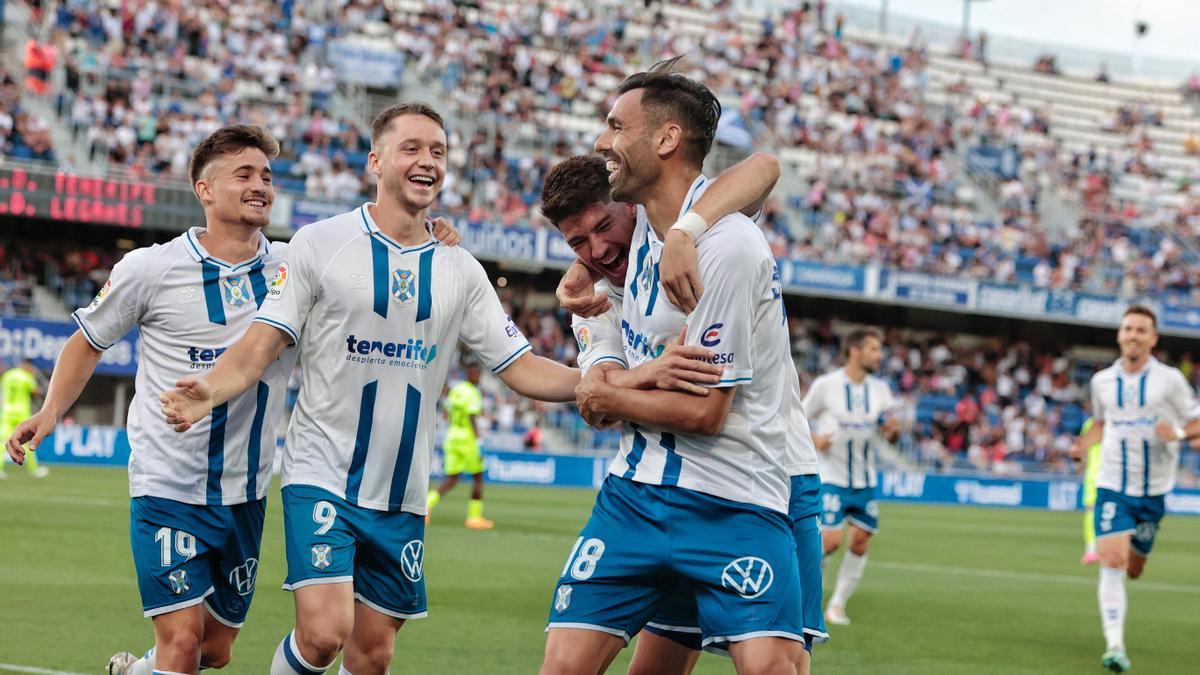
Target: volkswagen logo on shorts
(242,577)
(562,598)
(322,556)
(748,576)
(1145,532)
(411,560)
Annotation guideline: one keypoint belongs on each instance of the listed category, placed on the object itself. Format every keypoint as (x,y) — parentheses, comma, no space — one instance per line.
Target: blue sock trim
(294,659)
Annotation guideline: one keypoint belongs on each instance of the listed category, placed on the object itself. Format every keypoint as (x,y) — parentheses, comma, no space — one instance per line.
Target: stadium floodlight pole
(966,24)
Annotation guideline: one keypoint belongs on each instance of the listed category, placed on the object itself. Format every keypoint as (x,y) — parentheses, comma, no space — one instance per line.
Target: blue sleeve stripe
(507,362)
(608,359)
(738,380)
(87,334)
(281,326)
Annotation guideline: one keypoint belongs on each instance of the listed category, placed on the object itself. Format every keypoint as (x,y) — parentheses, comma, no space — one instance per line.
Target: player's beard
(632,183)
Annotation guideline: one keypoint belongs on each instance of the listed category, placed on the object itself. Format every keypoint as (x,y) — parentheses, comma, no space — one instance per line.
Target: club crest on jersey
(100,295)
(236,291)
(584,337)
(562,598)
(412,559)
(646,278)
(278,282)
(242,577)
(748,576)
(404,286)
(179,582)
(322,556)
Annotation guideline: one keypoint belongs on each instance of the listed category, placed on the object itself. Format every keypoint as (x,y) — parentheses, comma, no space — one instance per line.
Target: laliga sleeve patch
(101,295)
(278,283)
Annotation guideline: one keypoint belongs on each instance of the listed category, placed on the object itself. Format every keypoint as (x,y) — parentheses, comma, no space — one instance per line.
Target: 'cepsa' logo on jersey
(202,358)
(410,354)
(711,337)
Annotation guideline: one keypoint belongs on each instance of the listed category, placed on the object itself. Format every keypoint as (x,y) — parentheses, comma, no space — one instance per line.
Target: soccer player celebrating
(373,302)
(850,409)
(461,447)
(197,509)
(576,197)
(1142,410)
(19,385)
(697,499)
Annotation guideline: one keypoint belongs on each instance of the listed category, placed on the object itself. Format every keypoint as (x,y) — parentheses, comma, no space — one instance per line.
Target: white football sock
(288,661)
(848,577)
(1112,606)
(342,670)
(143,666)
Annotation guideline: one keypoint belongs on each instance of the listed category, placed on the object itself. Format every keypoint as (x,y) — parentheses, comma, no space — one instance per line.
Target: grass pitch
(948,590)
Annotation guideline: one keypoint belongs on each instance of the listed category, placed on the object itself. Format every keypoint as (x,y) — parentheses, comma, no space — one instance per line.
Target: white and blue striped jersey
(852,413)
(377,324)
(190,307)
(740,318)
(600,340)
(1132,460)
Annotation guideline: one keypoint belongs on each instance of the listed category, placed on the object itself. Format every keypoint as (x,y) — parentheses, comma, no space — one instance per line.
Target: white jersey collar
(369,226)
(196,250)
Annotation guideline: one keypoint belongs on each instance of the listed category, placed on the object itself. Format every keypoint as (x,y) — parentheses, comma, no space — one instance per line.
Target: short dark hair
(674,96)
(1142,310)
(231,140)
(573,185)
(383,120)
(858,337)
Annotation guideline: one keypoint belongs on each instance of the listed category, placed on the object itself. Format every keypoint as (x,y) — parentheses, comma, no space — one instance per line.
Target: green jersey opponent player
(464,404)
(18,386)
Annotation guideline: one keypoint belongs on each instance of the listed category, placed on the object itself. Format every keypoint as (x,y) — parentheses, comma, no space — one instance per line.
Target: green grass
(948,590)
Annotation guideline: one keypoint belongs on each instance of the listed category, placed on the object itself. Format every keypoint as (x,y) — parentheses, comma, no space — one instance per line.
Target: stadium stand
(895,155)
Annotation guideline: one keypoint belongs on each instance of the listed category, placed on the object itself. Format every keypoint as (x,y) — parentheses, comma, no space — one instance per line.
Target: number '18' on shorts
(645,542)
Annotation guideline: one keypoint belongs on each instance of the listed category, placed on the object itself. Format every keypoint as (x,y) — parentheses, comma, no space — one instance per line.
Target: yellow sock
(31,461)
(1089,529)
(433,500)
(475,508)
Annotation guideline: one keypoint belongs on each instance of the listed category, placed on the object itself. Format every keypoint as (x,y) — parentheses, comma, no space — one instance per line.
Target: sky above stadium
(1105,25)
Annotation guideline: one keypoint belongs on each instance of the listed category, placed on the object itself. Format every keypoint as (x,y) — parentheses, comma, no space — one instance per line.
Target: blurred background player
(850,409)
(464,404)
(1141,409)
(1091,470)
(19,385)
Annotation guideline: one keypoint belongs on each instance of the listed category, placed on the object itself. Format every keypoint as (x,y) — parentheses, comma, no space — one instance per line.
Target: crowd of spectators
(23,135)
(524,84)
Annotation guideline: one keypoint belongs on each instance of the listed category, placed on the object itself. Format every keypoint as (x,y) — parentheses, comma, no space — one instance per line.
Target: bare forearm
(541,379)
(72,370)
(674,411)
(743,187)
(244,363)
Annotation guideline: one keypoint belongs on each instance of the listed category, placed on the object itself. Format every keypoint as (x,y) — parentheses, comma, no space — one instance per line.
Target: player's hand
(189,403)
(891,428)
(30,432)
(576,293)
(680,368)
(445,232)
(1077,450)
(1165,432)
(679,271)
(589,396)
(823,442)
